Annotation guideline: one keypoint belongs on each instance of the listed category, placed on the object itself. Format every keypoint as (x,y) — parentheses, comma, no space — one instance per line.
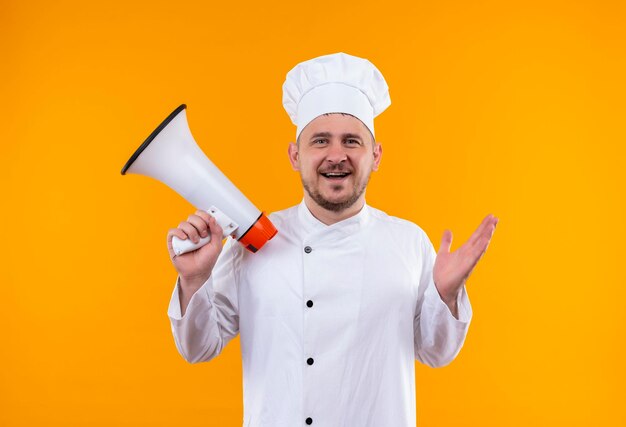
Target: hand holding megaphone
(195,266)
(228,226)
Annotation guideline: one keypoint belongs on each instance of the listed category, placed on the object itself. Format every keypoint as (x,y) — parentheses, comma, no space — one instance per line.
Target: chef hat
(337,83)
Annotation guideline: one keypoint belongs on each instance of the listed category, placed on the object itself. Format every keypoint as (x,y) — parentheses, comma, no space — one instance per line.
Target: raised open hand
(452,269)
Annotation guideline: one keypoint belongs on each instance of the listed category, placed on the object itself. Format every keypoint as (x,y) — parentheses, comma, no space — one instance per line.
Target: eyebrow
(343,135)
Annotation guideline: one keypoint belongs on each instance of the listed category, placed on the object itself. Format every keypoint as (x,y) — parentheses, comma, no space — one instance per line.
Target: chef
(332,312)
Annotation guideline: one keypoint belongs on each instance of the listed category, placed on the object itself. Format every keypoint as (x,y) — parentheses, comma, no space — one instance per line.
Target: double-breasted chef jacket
(331,319)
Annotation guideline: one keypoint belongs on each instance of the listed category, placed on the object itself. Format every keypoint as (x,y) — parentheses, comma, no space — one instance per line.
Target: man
(335,309)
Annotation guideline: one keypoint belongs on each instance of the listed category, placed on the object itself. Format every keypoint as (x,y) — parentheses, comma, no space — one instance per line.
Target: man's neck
(331,217)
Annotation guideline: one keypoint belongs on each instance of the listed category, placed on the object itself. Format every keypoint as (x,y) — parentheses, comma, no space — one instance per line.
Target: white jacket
(331,320)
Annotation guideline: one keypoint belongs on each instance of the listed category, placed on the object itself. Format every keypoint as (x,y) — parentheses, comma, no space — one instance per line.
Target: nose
(336,153)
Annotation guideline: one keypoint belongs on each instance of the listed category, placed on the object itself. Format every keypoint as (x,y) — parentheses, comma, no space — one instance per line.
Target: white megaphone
(171,155)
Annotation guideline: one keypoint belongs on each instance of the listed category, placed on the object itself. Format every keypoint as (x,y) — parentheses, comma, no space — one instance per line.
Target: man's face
(335,156)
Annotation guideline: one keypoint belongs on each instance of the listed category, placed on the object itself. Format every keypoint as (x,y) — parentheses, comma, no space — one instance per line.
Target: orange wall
(514,108)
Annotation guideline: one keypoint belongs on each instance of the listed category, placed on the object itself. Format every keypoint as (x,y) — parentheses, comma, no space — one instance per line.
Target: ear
(378,154)
(294,156)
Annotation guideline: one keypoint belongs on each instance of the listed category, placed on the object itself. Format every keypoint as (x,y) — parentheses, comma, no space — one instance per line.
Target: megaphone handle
(183,246)
(228,227)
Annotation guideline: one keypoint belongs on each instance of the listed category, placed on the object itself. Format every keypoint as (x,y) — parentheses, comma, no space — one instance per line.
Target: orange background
(515,108)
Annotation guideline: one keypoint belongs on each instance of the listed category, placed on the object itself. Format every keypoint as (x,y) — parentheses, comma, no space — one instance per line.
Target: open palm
(452,269)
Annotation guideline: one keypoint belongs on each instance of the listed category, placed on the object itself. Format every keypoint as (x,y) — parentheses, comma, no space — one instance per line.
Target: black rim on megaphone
(152,136)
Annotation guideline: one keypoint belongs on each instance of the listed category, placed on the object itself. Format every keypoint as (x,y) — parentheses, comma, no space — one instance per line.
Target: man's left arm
(443,311)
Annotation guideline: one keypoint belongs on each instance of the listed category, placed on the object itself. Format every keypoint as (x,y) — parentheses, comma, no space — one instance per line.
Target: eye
(319,141)
(353,141)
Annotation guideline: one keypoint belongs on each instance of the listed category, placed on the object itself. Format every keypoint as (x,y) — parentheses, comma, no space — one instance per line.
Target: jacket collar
(350,225)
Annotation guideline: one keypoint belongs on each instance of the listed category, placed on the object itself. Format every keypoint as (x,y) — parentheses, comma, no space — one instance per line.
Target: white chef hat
(337,83)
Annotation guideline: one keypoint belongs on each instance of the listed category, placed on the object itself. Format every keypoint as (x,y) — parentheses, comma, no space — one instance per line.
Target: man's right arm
(203,309)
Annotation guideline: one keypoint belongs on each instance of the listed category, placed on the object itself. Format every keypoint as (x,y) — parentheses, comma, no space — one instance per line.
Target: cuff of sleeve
(203,293)
(463,304)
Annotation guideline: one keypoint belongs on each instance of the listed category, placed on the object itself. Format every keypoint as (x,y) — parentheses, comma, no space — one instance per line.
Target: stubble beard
(357,191)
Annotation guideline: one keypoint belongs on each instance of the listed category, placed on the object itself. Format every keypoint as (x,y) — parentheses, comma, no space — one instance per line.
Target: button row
(309,361)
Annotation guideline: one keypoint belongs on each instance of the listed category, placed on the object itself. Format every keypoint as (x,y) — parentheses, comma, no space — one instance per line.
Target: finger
(200,224)
(488,232)
(481,248)
(190,231)
(476,252)
(479,230)
(170,235)
(204,215)
(446,242)
(486,229)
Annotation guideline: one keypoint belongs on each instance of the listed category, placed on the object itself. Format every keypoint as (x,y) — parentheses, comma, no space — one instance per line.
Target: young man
(335,309)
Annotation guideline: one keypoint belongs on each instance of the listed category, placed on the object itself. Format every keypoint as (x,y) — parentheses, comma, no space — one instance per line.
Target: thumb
(446,242)
(216,232)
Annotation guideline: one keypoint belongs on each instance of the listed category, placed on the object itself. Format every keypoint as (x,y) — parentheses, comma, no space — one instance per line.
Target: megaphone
(171,155)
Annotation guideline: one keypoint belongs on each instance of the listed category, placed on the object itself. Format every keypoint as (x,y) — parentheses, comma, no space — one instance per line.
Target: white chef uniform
(331,320)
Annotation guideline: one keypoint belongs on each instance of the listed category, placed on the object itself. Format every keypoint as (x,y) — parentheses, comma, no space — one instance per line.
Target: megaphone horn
(171,155)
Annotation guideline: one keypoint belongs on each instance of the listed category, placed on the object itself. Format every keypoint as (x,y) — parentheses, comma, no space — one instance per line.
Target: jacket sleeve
(212,316)
(439,336)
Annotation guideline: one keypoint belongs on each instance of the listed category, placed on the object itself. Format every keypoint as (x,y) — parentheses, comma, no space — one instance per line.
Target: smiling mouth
(335,175)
